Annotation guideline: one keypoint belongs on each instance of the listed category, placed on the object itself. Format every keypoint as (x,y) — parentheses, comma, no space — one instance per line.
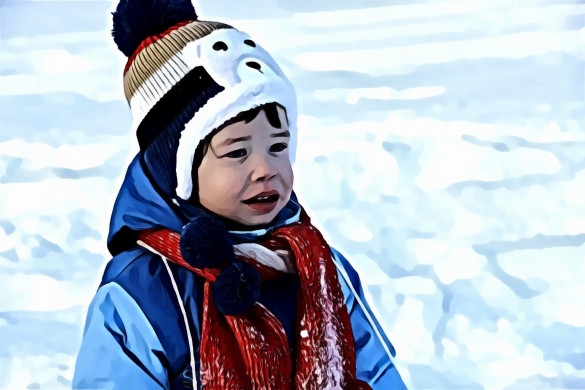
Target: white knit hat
(168,69)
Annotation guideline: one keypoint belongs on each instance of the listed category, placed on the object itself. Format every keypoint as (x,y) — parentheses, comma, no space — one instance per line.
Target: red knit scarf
(251,351)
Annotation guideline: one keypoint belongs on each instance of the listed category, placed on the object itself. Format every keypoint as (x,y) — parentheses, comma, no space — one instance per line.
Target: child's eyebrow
(230,141)
(282,134)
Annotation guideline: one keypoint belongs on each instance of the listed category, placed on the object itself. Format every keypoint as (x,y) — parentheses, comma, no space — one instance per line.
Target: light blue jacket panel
(120,349)
(374,351)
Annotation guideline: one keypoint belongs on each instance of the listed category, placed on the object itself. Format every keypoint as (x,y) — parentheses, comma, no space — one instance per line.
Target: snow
(441,149)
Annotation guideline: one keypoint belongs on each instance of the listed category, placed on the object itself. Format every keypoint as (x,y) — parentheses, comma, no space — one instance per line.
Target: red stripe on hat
(150,40)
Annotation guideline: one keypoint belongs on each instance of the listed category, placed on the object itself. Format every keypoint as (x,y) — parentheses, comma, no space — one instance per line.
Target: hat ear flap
(160,130)
(136,20)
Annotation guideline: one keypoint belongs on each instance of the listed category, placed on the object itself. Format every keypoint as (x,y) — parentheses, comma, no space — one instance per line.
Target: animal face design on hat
(230,56)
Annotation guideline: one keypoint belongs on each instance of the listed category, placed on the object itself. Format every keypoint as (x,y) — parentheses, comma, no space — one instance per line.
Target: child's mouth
(263,202)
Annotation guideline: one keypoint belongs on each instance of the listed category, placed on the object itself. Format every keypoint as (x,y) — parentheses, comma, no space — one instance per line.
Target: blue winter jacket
(139,336)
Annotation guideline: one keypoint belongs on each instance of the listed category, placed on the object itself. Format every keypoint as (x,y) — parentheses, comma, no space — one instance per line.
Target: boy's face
(246,174)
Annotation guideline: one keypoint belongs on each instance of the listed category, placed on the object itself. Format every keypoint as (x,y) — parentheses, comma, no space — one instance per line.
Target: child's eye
(279,147)
(238,153)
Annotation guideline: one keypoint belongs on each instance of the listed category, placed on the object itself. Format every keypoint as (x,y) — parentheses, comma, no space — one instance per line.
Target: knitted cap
(187,79)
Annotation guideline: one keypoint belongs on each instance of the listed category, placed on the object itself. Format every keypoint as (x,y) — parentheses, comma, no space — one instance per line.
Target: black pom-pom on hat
(205,242)
(136,20)
(236,289)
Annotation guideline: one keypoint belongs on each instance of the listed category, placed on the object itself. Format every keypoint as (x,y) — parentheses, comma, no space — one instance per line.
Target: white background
(441,148)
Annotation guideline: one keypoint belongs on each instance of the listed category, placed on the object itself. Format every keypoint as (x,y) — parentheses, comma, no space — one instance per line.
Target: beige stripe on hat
(161,52)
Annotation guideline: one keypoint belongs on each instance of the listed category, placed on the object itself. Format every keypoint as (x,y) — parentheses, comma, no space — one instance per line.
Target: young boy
(218,279)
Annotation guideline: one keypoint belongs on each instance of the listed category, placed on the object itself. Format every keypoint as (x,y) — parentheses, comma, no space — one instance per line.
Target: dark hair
(271,112)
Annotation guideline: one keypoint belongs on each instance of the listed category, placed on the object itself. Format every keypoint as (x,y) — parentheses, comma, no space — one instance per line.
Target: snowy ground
(442,149)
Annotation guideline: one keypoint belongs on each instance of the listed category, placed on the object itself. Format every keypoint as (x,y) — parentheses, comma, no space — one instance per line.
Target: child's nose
(263,169)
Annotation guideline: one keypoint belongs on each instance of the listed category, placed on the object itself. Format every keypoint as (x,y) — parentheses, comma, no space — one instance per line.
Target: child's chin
(255,219)
(261,219)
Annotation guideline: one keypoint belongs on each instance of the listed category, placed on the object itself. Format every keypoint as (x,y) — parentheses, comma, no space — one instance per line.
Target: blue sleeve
(120,349)
(374,351)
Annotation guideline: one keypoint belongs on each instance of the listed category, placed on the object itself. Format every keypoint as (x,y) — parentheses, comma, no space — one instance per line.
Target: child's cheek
(287,173)
(226,183)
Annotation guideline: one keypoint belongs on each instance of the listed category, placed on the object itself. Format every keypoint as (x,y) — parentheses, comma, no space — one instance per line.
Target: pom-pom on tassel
(136,20)
(205,242)
(236,289)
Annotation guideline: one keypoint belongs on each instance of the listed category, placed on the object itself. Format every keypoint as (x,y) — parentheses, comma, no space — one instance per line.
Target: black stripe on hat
(184,99)
(160,131)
